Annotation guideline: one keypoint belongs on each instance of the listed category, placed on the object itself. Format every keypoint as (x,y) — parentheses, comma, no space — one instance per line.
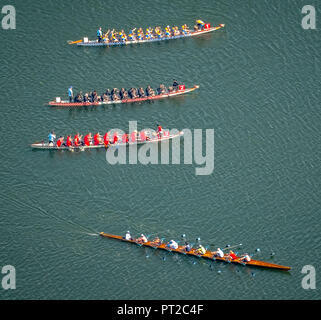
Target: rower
(69,141)
(142,239)
(172,244)
(60,142)
(142,135)
(188,247)
(232,255)
(99,34)
(219,253)
(51,138)
(201,250)
(70,94)
(246,258)
(87,139)
(128,237)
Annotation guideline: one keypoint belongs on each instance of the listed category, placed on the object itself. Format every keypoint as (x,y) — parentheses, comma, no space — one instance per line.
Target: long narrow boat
(208,255)
(94,43)
(65,103)
(152,139)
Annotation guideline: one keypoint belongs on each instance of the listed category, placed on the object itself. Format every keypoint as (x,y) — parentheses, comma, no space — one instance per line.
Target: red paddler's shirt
(115,138)
(142,136)
(69,141)
(106,138)
(133,137)
(76,140)
(87,140)
(125,138)
(59,142)
(96,139)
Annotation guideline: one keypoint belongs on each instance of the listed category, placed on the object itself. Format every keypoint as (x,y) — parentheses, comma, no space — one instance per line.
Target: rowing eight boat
(153,139)
(95,43)
(65,103)
(208,255)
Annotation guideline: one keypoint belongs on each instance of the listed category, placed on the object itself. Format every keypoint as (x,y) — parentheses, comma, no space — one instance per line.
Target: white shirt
(144,238)
(173,245)
(128,236)
(220,253)
(247,258)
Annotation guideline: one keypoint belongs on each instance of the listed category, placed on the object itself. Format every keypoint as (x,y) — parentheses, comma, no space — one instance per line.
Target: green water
(259,90)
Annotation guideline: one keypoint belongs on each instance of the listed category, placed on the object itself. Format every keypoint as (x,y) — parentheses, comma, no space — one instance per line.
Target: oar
(73,42)
(230,247)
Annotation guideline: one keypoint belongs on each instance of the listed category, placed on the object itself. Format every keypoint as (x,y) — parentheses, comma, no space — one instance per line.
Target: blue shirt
(70,92)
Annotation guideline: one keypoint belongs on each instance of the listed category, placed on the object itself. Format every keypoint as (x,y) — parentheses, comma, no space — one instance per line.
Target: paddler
(125,138)
(99,34)
(115,138)
(69,141)
(201,250)
(87,139)
(97,139)
(77,140)
(188,247)
(60,141)
(159,131)
(51,138)
(131,34)
(142,135)
(70,94)
(133,136)
(106,139)
(200,24)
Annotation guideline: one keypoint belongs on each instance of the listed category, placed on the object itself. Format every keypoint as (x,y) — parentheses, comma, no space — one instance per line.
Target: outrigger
(113,38)
(211,255)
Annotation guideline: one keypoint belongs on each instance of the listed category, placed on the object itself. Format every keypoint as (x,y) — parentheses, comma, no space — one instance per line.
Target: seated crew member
(246,258)
(201,250)
(125,138)
(133,136)
(142,135)
(172,244)
(69,141)
(51,138)
(232,255)
(175,84)
(115,138)
(128,236)
(106,139)
(99,34)
(159,131)
(200,24)
(77,140)
(188,247)
(97,139)
(157,241)
(142,239)
(60,142)
(87,139)
(219,253)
